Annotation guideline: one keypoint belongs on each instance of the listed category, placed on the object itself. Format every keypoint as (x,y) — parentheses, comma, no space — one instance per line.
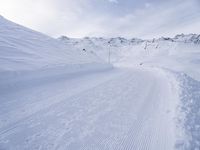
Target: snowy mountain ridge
(186,38)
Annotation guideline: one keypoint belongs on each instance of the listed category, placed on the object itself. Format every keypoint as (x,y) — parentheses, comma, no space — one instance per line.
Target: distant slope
(180,53)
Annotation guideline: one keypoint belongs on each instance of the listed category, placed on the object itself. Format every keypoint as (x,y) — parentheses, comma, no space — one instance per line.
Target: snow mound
(189,107)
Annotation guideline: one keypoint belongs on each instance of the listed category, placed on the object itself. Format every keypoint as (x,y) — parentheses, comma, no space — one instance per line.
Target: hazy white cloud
(147,5)
(113,1)
(130,18)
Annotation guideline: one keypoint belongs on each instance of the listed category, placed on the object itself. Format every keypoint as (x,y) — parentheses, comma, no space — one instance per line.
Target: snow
(61,93)
(190,105)
(24,49)
(178,56)
(86,113)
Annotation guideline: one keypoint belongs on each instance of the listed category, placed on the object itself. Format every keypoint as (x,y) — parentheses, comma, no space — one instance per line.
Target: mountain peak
(63,37)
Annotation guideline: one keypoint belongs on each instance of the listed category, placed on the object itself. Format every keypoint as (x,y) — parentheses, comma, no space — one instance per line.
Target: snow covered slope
(60,94)
(24,49)
(27,55)
(179,56)
(180,53)
(101,46)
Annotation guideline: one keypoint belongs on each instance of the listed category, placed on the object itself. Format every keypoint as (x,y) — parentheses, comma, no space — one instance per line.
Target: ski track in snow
(120,109)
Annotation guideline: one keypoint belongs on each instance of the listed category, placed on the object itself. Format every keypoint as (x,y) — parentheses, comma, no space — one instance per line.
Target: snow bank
(189,108)
(24,79)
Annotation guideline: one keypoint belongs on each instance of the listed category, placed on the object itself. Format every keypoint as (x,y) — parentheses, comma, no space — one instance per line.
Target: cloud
(166,19)
(79,18)
(113,1)
(147,5)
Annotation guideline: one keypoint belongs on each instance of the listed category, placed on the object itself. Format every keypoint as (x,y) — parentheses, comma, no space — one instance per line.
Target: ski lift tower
(109,51)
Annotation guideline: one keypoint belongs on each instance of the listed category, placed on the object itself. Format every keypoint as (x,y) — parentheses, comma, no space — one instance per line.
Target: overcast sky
(107,18)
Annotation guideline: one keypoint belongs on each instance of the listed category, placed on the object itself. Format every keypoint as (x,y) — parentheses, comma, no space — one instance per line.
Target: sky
(105,18)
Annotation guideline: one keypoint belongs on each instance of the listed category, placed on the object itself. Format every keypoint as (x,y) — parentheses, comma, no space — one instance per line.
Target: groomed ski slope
(179,56)
(116,109)
(55,96)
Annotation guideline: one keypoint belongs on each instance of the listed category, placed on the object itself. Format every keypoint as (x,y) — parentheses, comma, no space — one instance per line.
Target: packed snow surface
(61,93)
(123,109)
